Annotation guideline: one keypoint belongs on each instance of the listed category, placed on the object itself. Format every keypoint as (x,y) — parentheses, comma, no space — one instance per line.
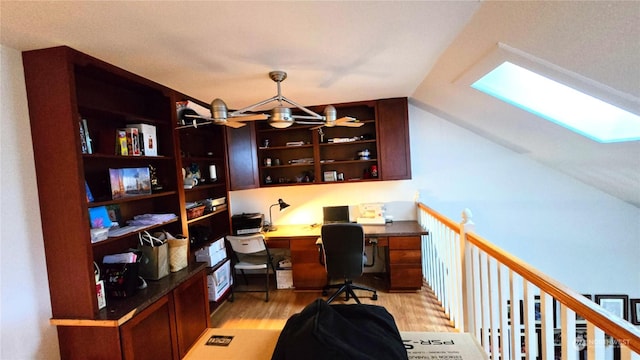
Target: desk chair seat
(344,258)
(250,253)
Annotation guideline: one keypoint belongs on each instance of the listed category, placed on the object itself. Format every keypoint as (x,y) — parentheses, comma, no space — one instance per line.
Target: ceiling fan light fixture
(219,109)
(330,115)
(280,117)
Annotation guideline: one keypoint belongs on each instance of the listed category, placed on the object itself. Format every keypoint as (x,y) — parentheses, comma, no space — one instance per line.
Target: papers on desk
(371,221)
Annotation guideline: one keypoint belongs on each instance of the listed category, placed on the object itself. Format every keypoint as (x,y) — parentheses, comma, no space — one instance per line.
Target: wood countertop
(396,228)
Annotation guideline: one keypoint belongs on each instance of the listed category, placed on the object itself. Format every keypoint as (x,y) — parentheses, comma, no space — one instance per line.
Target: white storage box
(213,253)
(219,281)
(284,279)
(148,141)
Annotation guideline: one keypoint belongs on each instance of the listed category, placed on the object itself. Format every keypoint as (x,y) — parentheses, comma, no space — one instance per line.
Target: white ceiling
(348,51)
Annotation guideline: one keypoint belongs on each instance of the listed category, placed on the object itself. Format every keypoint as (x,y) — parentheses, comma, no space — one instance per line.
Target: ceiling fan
(278,117)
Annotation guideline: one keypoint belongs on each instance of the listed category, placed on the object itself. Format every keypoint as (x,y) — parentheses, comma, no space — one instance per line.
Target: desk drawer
(405,257)
(404,242)
(309,276)
(303,243)
(278,243)
(308,273)
(405,277)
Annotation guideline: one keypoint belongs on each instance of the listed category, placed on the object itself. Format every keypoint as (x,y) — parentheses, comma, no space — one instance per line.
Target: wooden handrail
(621,330)
(443,219)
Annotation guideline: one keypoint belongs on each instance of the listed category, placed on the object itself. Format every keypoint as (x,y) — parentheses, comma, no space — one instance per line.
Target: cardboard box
(219,281)
(284,279)
(148,140)
(212,254)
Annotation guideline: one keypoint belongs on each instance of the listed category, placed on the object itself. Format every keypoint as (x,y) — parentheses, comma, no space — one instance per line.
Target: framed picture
(330,176)
(129,182)
(635,311)
(114,214)
(615,304)
(99,218)
(538,311)
(579,319)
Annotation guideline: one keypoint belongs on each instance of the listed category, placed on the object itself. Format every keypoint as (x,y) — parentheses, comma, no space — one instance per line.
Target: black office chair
(250,253)
(343,254)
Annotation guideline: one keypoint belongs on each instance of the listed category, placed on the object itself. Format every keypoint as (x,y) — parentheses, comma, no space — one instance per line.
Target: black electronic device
(247,223)
(199,235)
(335,214)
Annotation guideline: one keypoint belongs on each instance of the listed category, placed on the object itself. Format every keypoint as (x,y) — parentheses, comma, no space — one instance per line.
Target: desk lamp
(283,205)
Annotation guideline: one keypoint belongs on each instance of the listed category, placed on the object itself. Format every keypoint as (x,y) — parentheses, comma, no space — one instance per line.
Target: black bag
(346,332)
(120,280)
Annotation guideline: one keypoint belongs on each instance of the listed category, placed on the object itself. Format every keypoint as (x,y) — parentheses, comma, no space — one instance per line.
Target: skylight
(560,104)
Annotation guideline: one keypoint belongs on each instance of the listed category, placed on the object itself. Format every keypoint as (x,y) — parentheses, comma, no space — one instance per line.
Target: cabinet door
(308,272)
(192,311)
(243,160)
(150,334)
(79,342)
(393,135)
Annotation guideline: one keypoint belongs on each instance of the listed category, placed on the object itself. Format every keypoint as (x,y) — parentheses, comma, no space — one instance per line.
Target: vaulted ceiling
(348,51)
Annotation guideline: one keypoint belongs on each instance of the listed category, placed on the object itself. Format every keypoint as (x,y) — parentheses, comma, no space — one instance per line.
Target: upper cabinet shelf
(377,150)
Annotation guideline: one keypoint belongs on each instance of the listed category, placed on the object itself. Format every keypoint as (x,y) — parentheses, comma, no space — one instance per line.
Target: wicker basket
(178,253)
(195,212)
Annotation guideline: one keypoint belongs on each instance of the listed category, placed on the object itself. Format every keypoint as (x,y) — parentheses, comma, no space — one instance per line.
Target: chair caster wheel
(374,297)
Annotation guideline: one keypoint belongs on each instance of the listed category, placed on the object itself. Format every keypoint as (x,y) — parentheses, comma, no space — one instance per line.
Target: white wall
(24,293)
(581,236)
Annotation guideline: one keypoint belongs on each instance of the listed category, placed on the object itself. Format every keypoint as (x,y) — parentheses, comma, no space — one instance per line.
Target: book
(83,139)
(87,138)
(128,142)
(146,138)
(88,191)
(121,142)
(133,142)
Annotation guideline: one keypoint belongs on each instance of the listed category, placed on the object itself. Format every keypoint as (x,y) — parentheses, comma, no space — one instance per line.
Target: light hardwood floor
(414,311)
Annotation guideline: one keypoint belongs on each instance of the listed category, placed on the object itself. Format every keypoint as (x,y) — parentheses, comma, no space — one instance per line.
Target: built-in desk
(401,241)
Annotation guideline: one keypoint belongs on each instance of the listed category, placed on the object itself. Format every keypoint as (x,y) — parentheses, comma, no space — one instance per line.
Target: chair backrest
(247,244)
(343,246)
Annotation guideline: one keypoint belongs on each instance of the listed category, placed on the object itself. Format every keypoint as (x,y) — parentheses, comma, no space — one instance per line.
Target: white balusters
(508,305)
(568,333)
(529,312)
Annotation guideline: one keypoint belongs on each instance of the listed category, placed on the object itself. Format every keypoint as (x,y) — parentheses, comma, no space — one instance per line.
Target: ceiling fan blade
(195,124)
(232,124)
(251,117)
(350,124)
(348,121)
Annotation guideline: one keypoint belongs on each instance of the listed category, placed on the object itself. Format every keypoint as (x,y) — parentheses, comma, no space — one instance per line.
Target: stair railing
(476,283)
